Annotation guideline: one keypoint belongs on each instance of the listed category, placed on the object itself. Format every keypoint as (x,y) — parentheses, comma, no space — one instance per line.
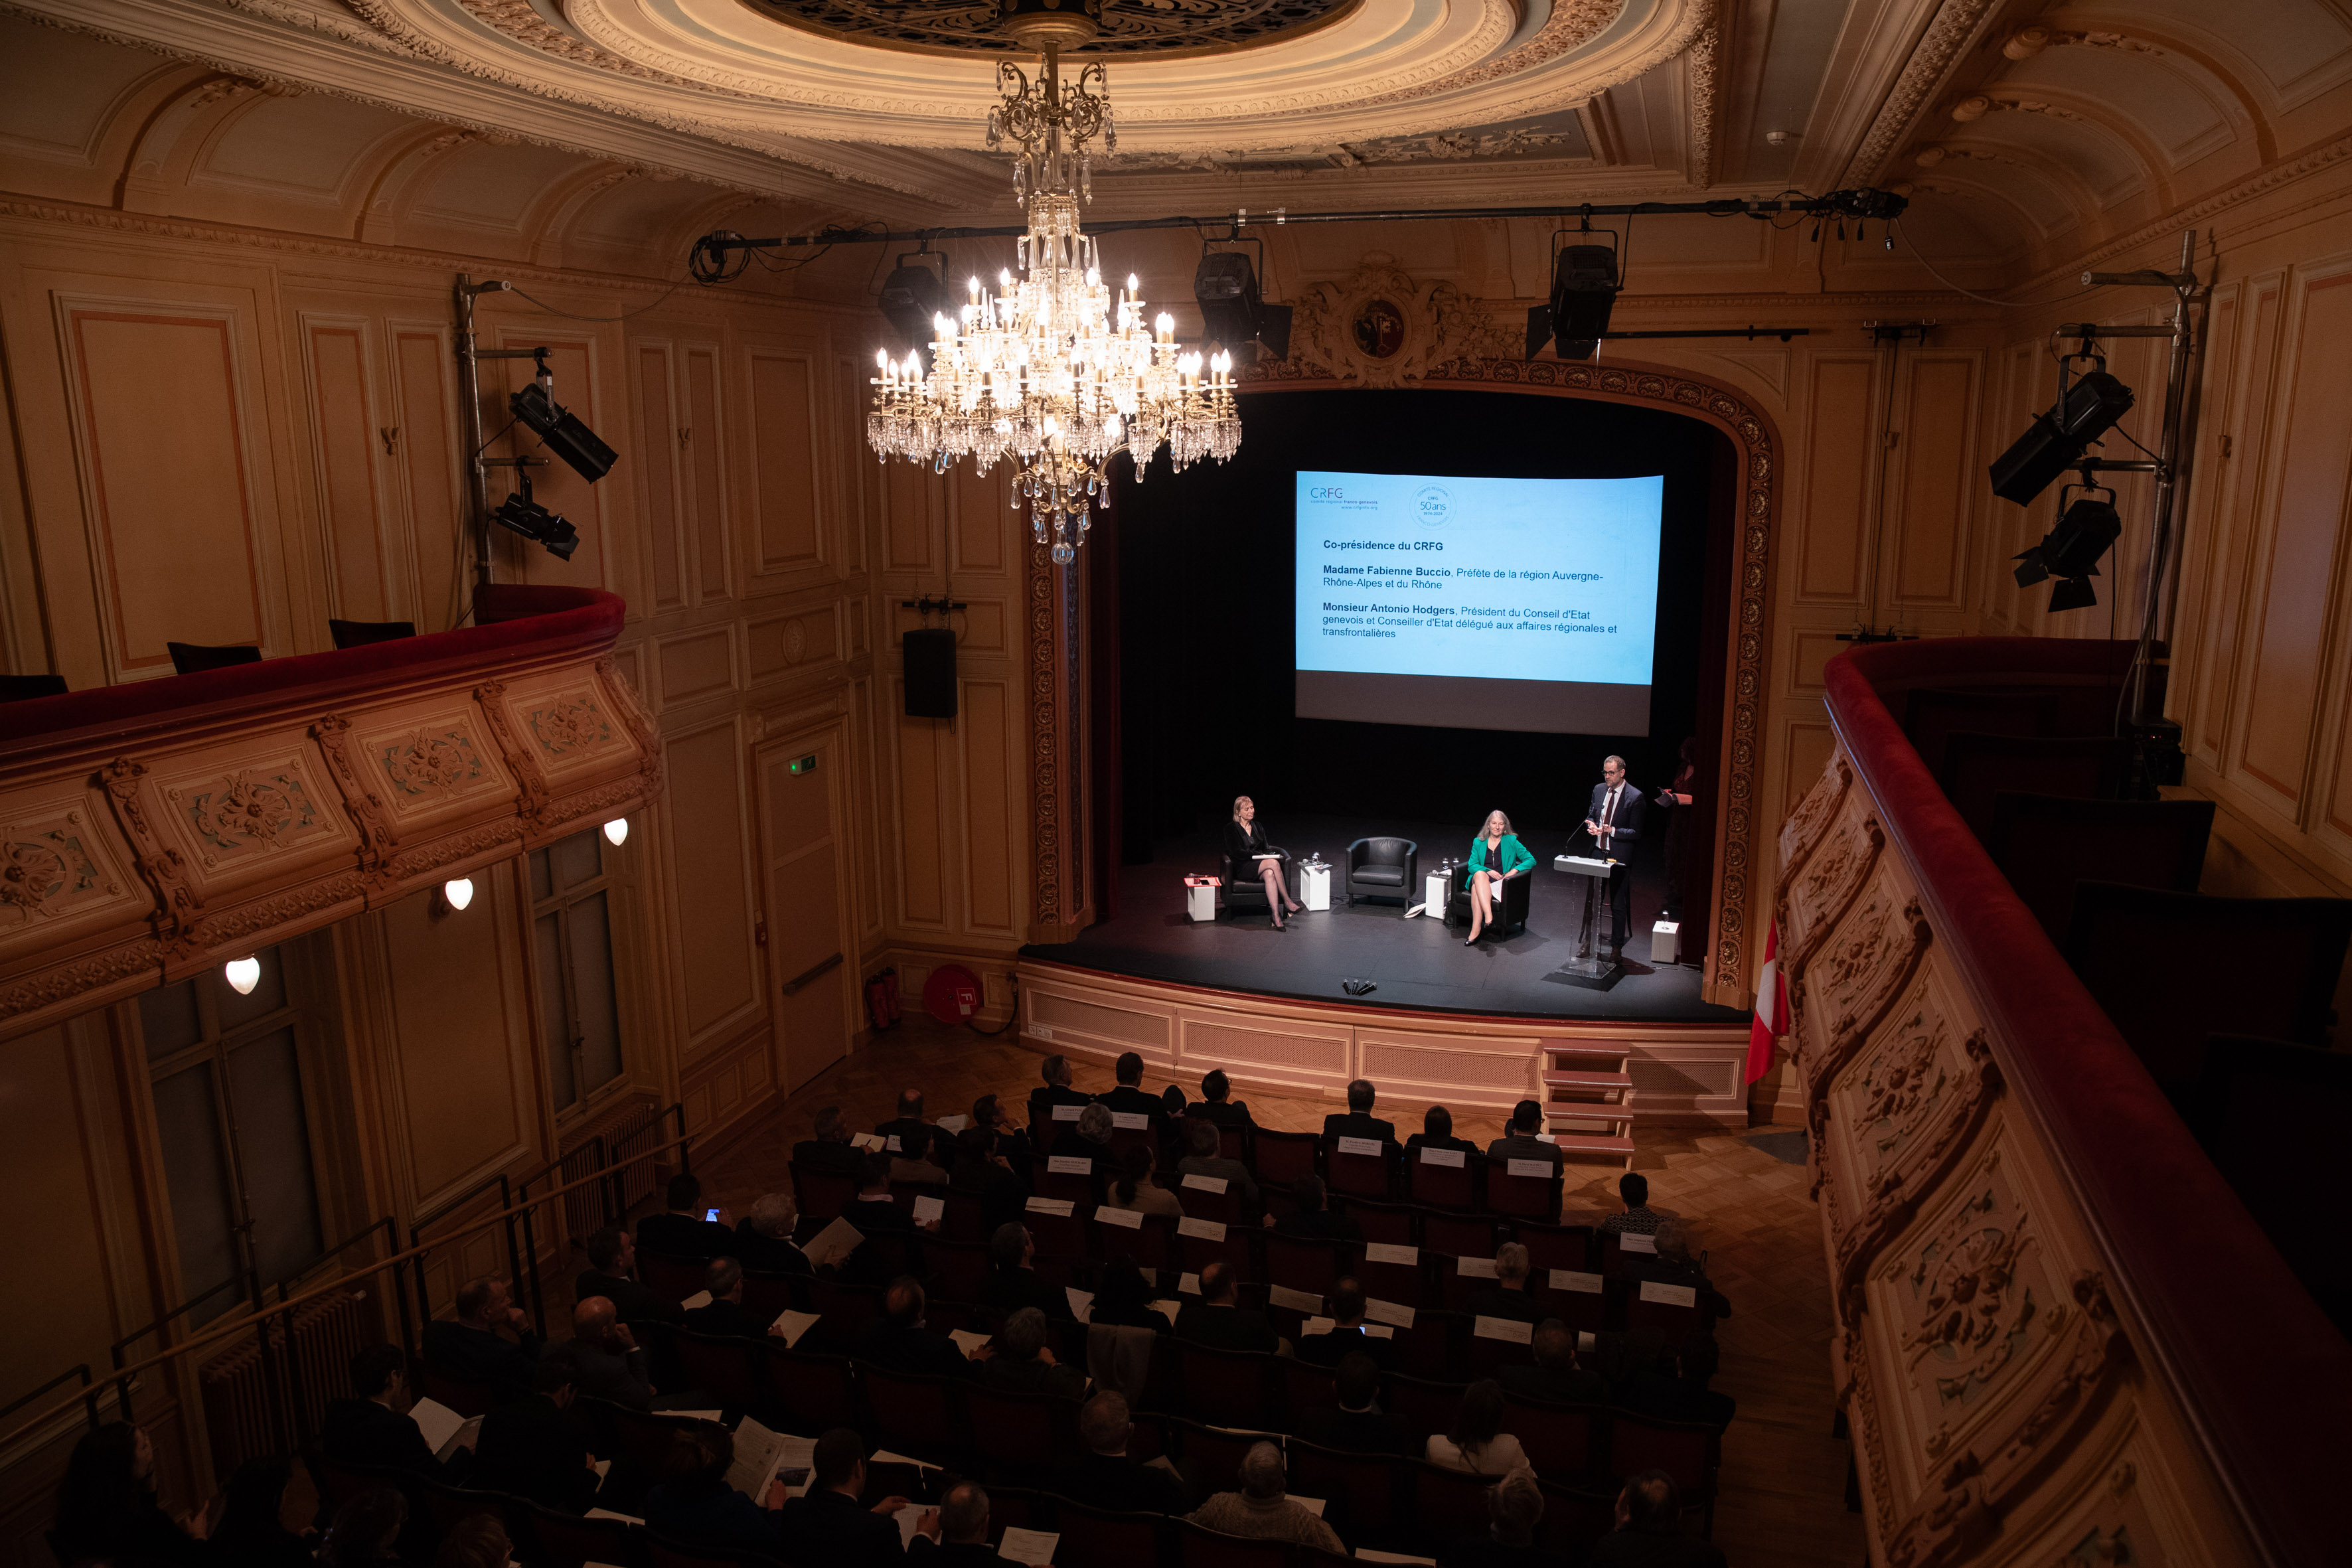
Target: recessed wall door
(812,956)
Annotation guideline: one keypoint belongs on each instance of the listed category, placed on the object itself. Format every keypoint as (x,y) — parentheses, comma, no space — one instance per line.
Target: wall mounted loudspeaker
(930,673)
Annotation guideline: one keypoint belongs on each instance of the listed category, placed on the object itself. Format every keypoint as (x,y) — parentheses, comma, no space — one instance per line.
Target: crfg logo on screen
(1433,504)
(1327,492)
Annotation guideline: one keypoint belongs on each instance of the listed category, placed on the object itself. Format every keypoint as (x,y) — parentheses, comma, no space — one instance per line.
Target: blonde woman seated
(1246,848)
(1496,855)
(1478,1443)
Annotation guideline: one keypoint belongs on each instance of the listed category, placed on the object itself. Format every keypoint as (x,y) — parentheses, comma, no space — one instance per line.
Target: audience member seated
(1514,1506)
(683,1232)
(1214,1104)
(1043,1127)
(913,1134)
(471,1348)
(1003,1137)
(1312,1219)
(1105,1477)
(366,1531)
(1346,1336)
(898,1341)
(1649,1530)
(1671,1264)
(1478,1443)
(1357,1121)
(1019,1361)
(830,1148)
(1204,1160)
(107,1511)
(955,1533)
(1507,1297)
(1263,1509)
(984,1170)
(611,1364)
(1123,1297)
(1524,1139)
(1088,1138)
(373,1427)
(1639,1218)
(829,1524)
(763,1239)
(1135,1189)
(1355,1424)
(612,1273)
(1655,1382)
(1129,1098)
(694,1503)
(256,1508)
(535,1447)
(1219,1320)
(874,1212)
(1555,1376)
(723,1283)
(1012,1284)
(1437,1133)
(930,1156)
(477,1540)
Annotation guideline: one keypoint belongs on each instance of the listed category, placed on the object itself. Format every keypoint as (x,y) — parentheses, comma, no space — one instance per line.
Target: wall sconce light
(243,974)
(457,892)
(616,831)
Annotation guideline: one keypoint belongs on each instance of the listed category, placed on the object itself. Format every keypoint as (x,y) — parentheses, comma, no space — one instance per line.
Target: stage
(1459,1025)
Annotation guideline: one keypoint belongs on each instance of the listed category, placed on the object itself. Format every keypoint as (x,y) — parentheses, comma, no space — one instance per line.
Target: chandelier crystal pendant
(1052,369)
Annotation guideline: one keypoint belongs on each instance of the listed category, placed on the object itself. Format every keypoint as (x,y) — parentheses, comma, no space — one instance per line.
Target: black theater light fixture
(912,297)
(520,514)
(2072,552)
(1225,286)
(560,429)
(1584,285)
(2055,441)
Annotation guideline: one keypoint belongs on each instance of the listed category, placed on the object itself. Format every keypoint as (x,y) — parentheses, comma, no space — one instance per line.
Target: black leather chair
(359,634)
(1245,890)
(24,688)
(190,658)
(1383,869)
(1515,903)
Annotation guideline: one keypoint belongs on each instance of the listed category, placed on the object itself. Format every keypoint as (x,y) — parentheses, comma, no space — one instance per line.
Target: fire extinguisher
(882,1000)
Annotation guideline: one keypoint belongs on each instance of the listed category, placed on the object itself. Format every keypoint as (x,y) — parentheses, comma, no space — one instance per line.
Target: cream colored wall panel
(700,664)
(1413,1072)
(1840,470)
(347,435)
(461,1055)
(1803,754)
(1056,1017)
(1808,652)
(706,472)
(1927,515)
(784,462)
(922,803)
(981,502)
(911,504)
(993,787)
(708,861)
(780,643)
(1270,1051)
(53,1161)
(424,405)
(656,468)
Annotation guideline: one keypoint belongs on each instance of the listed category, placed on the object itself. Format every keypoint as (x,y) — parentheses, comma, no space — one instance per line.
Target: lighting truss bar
(2093,329)
(1783,333)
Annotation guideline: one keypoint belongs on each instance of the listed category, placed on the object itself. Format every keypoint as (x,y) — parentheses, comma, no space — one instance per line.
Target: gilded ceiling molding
(1698,81)
(1931,59)
(333,26)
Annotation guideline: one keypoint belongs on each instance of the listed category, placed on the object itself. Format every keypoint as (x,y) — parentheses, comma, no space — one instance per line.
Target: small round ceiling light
(459,891)
(242,975)
(616,831)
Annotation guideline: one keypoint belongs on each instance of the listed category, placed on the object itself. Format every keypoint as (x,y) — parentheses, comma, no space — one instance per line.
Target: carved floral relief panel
(421,764)
(1817,897)
(232,812)
(566,728)
(1813,814)
(57,863)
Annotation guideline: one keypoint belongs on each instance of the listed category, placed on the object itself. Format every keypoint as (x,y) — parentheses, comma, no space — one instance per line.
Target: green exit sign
(803,764)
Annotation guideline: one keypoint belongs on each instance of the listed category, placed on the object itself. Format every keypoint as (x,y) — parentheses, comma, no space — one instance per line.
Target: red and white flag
(1771,1019)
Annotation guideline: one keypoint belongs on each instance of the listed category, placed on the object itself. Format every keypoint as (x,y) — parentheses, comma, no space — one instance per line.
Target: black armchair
(1245,890)
(1514,912)
(1383,869)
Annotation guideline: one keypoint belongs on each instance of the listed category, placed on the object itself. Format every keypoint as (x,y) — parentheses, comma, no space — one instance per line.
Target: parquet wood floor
(1783,1482)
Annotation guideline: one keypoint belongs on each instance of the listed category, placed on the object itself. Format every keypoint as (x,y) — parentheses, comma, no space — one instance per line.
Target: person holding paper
(1354,1422)
(1346,1336)
(1524,1139)
(1104,1477)
(763,1240)
(695,1502)
(535,1447)
(1437,1133)
(1496,855)
(914,1133)
(372,1426)
(723,1314)
(1507,1297)
(928,1156)
(1478,1442)
(1611,828)
(828,1147)
(1003,1137)
(1246,848)
(962,1522)
(898,1341)
(874,1212)
(831,1524)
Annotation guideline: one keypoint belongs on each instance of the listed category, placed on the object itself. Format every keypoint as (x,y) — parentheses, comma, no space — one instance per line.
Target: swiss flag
(1772,1009)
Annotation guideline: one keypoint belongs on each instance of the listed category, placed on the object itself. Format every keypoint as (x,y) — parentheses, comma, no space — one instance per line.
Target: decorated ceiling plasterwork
(1163,28)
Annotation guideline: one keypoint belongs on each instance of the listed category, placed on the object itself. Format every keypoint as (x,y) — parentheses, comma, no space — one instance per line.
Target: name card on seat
(1069,1165)
(1570,1280)
(1205,1183)
(1510,1329)
(1130,1218)
(1296,1301)
(1542,1170)
(1476,1268)
(1068,1112)
(1442,1157)
(1051,1205)
(1388,1313)
(1669,1295)
(1390,1252)
(1206,1229)
(1630,1242)
(1360,1146)
(1133,1121)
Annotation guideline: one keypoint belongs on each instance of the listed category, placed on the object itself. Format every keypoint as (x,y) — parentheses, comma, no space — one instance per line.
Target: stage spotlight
(560,431)
(2071,553)
(911,296)
(2055,440)
(1583,291)
(1231,313)
(520,514)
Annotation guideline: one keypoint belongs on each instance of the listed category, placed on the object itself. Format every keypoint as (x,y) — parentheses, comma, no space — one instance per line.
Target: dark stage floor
(1415,963)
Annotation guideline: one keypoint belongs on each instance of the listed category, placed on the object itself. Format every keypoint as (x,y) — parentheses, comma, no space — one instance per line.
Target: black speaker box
(930,673)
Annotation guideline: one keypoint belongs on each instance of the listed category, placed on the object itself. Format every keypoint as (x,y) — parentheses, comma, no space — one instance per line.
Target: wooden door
(812,956)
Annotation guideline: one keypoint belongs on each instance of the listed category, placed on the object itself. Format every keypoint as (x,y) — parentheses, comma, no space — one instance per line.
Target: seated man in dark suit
(914,1133)
(1671,1264)
(1437,1133)
(830,1524)
(535,1447)
(723,1282)
(764,1238)
(1129,1098)
(1003,1137)
(1524,1139)
(984,1170)
(961,1522)
(372,1426)
(1657,1382)
(1649,1533)
(1012,1284)
(1359,1120)
(1043,1125)
(1347,1336)
(695,1504)
(1021,1361)
(612,1273)
(1313,1220)
(683,1232)
(1204,1160)
(1215,1105)
(472,1348)
(1356,1425)
(607,1360)
(1105,1477)
(897,1341)
(829,1149)
(875,1213)
(1514,1506)
(1555,1376)
(1219,1320)
(1508,1295)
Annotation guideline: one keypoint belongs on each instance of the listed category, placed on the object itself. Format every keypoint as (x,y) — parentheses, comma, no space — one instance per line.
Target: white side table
(1201,902)
(1437,892)
(1315,886)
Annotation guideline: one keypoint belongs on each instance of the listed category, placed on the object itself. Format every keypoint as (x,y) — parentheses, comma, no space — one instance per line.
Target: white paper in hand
(437,1421)
(1028,1545)
(967,1341)
(1082,1303)
(759,1453)
(930,1210)
(697,1302)
(470,1435)
(1168,1309)
(833,1244)
(864,1140)
(908,1517)
(790,1326)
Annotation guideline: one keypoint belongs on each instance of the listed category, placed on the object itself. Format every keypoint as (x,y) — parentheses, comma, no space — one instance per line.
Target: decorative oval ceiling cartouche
(1151,29)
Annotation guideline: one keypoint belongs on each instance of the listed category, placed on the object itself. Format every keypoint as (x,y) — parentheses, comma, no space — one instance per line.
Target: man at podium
(1613,825)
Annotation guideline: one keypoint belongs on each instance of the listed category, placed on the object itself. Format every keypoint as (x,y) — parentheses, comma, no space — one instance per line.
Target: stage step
(1586,1087)
(1597,1148)
(1597,1082)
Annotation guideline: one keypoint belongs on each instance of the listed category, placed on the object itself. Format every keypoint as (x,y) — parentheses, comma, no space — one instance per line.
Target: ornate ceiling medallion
(1159,29)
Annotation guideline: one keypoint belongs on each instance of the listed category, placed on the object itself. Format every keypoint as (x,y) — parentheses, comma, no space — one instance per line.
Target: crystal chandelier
(1051,369)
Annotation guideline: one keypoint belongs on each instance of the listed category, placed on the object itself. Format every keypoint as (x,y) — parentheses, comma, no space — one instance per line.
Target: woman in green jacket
(1494,855)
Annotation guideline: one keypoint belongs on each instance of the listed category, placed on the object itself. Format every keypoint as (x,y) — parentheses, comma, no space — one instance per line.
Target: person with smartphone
(689,1229)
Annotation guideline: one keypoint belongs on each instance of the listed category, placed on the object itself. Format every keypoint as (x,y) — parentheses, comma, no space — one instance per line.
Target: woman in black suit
(1245,840)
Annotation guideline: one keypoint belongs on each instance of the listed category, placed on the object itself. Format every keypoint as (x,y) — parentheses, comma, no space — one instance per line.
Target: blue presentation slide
(1523,580)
